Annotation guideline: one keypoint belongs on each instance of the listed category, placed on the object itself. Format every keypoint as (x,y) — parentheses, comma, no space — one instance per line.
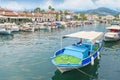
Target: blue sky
(74,5)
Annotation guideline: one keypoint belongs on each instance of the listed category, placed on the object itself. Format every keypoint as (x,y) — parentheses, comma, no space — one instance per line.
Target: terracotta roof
(20,13)
(37,15)
(50,12)
(29,14)
(10,13)
(2,9)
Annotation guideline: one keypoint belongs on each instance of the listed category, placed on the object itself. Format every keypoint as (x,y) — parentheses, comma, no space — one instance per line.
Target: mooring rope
(86,73)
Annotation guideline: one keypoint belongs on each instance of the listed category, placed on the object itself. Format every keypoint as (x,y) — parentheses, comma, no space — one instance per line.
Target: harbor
(59,40)
(27,56)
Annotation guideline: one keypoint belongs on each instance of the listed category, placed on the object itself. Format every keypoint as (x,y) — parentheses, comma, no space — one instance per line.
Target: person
(80,40)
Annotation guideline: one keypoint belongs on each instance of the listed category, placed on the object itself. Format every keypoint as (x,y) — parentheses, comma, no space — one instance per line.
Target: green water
(26,56)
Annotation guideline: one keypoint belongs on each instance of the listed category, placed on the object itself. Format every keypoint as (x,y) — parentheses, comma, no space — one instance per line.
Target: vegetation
(51,8)
(65,12)
(83,17)
(75,17)
(60,11)
(37,10)
(66,59)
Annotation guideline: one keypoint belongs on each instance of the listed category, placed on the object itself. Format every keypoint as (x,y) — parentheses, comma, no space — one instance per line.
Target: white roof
(114,27)
(90,35)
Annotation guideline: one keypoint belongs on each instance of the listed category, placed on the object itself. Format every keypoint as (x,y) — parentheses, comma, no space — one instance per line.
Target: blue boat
(80,54)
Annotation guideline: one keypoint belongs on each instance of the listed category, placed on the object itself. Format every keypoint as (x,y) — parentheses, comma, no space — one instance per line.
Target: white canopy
(114,27)
(90,35)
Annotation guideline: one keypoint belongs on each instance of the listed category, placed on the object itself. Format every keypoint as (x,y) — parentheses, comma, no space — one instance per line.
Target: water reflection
(6,37)
(111,44)
(92,72)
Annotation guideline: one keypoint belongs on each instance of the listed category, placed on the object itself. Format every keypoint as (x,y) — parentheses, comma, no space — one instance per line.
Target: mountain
(101,11)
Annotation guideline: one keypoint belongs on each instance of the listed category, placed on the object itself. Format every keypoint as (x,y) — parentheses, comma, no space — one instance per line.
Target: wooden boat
(113,35)
(79,54)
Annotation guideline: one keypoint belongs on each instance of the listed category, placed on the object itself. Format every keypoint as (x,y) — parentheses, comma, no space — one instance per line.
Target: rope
(86,73)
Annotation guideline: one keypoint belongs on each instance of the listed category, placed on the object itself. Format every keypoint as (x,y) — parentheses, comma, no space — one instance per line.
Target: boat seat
(75,51)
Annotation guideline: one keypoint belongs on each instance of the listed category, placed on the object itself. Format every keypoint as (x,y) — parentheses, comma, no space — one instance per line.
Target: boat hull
(8,32)
(85,62)
(111,39)
(65,69)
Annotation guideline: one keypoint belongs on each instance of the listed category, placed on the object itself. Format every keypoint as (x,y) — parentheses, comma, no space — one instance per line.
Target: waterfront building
(92,17)
(23,17)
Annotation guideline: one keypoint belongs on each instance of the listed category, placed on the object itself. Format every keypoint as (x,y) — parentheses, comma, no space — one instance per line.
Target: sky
(75,5)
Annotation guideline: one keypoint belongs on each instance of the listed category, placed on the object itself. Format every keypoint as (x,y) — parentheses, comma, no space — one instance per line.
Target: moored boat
(4,31)
(79,54)
(113,35)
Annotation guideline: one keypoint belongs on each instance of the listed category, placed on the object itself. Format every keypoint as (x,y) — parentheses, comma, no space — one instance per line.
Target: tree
(65,12)
(83,17)
(50,7)
(60,11)
(43,10)
(75,17)
(37,10)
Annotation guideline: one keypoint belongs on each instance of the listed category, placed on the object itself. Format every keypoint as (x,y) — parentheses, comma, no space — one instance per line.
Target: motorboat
(113,35)
(4,31)
(79,54)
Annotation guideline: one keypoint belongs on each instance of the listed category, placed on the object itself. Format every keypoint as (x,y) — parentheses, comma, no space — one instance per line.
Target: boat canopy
(114,27)
(90,35)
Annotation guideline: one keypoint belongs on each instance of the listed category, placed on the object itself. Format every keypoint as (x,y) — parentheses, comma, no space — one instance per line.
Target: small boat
(115,23)
(113,35)
(14,28)
(27,28)
(80,54)
(4,31)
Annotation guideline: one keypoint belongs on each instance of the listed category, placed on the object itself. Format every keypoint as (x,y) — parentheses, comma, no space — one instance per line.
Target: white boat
(14,28)
(27,28)
(80,54)
(113,35)
(4,31)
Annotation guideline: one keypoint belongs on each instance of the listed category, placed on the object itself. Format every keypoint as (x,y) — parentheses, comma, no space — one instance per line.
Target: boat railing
(59,51)
(88,59)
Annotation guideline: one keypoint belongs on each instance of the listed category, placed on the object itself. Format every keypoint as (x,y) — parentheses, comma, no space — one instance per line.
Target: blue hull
(85,61)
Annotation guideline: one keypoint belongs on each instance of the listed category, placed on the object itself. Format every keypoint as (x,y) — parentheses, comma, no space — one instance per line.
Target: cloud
(13,5)
(75,5)
(70,4)
(113,4)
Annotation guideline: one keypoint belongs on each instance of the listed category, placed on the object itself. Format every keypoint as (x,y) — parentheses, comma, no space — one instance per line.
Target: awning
(114,27)
(90,35)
